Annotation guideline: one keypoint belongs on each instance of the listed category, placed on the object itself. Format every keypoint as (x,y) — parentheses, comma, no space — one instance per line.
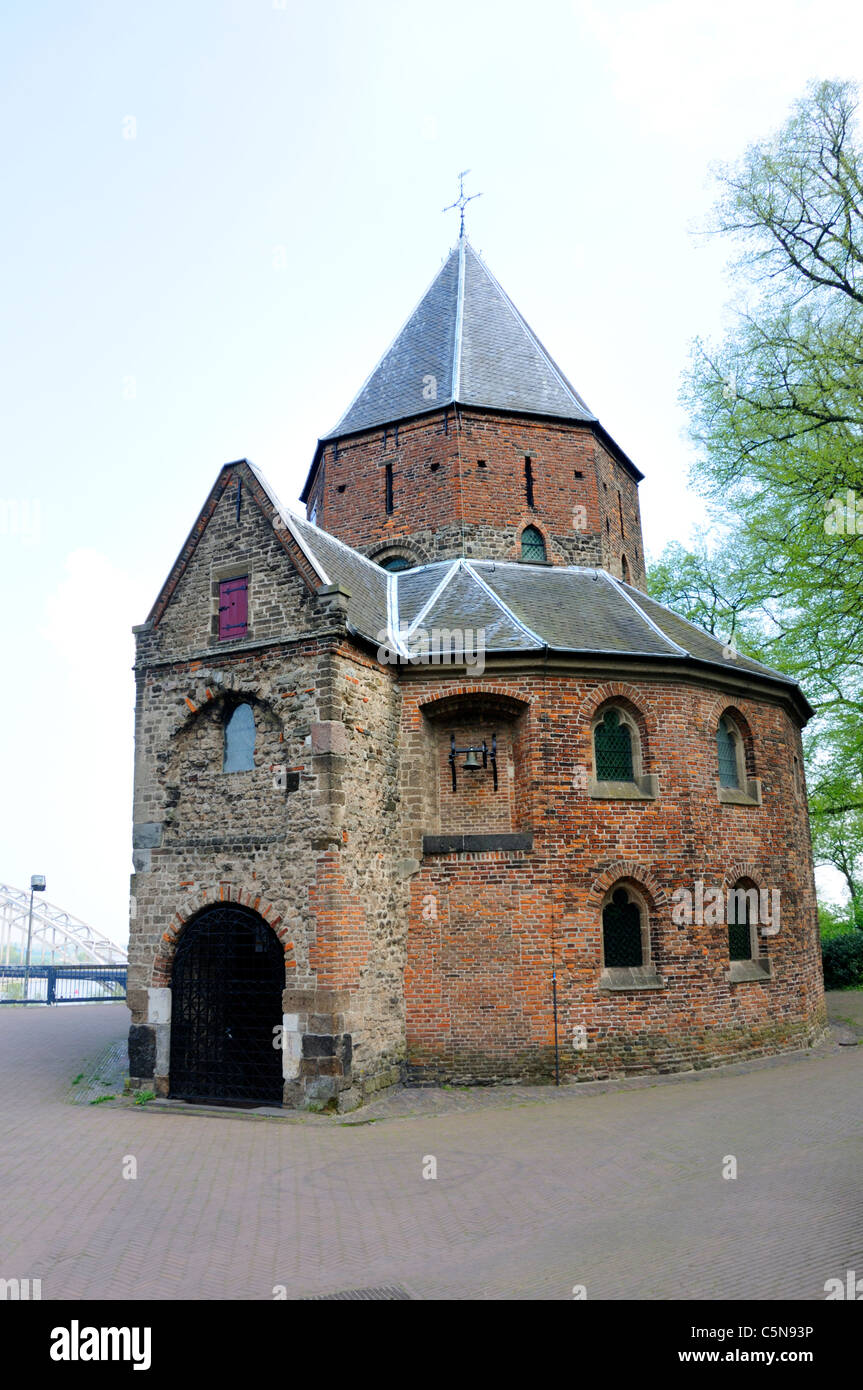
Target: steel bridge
(69,960)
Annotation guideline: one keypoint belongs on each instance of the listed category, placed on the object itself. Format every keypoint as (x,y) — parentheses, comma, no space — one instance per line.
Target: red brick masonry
(478,980)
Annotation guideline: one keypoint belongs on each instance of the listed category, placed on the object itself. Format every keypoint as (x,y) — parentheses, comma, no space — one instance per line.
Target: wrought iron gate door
(228,978)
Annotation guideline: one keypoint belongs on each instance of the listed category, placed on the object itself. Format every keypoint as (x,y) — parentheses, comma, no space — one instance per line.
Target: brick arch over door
(217,896)
(743,869)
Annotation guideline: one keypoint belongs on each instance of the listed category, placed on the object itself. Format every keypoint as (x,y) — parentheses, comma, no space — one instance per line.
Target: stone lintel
(476,844)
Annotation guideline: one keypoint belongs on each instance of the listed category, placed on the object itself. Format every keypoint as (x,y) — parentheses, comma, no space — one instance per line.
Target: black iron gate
(228,977)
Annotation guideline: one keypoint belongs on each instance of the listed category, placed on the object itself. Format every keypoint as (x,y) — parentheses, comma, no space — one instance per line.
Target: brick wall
(475,806)
(458,482)
(478,977)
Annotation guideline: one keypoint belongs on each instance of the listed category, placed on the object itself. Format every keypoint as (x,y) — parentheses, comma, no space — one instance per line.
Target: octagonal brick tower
(467,435)
(381,851)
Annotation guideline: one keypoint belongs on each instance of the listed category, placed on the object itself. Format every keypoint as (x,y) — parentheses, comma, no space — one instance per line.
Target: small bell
(471,762)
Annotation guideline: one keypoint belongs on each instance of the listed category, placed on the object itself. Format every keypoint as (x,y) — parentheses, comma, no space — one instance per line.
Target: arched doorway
(226,988)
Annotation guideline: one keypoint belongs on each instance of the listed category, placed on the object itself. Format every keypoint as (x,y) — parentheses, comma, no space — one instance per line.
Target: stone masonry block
(159,1005)
(330,736)
(147,835)
(142,1050)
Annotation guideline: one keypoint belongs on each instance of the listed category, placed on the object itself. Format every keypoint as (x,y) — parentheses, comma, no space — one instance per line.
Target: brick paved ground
(536,1190)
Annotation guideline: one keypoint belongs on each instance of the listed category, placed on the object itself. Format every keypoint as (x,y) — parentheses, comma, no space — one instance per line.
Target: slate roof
(336,563)
(468,336)
(519,608)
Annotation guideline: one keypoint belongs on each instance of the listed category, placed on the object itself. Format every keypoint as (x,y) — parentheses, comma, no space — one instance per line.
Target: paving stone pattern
(536,1190)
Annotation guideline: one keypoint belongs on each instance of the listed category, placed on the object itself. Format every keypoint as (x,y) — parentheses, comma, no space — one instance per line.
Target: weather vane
(461,202)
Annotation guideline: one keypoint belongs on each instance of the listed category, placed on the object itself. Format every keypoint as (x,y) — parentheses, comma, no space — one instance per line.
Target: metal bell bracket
(471,763)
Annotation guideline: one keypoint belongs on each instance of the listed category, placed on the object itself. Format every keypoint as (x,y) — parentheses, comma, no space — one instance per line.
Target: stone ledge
(617,977)
(734,796)
(645,788)
(476,844)
(742,970)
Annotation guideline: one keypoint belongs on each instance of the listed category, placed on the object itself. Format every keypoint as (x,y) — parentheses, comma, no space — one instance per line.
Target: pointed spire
(464,343)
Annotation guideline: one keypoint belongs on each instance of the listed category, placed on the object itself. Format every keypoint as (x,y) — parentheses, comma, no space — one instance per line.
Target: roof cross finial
(461,202)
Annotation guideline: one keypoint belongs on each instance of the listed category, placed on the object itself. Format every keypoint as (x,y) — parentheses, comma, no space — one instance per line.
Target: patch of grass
(141,1097)
(100,1099)
(79,1077)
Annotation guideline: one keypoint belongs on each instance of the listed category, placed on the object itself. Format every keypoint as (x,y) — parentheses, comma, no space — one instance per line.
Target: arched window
(240,740)
(732,762)
(612,748)
(395,563)
(622,930)
(624,569)
(532,545)
(742,913)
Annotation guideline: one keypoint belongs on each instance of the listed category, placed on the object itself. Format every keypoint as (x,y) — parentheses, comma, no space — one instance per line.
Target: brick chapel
(428,789)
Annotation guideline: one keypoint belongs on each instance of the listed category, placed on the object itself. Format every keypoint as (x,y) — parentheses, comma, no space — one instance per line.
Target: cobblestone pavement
(619,1188)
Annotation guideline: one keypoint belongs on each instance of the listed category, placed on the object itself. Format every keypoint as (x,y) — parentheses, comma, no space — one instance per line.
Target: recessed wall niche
(205,799)
(475,806)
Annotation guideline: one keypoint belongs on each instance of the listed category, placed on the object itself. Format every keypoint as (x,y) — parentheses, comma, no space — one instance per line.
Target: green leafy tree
(777,420)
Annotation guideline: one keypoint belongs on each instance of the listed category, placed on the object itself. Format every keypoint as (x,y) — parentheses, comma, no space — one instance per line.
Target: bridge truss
(58,937)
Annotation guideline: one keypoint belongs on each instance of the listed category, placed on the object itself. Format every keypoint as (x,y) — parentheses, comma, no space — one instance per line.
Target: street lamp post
(37,885)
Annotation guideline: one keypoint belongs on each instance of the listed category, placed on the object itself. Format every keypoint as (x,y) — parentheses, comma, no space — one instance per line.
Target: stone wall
(293,838)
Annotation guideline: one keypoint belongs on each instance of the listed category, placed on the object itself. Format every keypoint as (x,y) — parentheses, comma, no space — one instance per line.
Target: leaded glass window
(532,544)
(739,933)
(240,741)
(726,743)
(621,930)
(612,742)
(395,563)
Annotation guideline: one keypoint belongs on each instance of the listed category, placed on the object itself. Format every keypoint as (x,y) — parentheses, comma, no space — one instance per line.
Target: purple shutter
(233,608)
